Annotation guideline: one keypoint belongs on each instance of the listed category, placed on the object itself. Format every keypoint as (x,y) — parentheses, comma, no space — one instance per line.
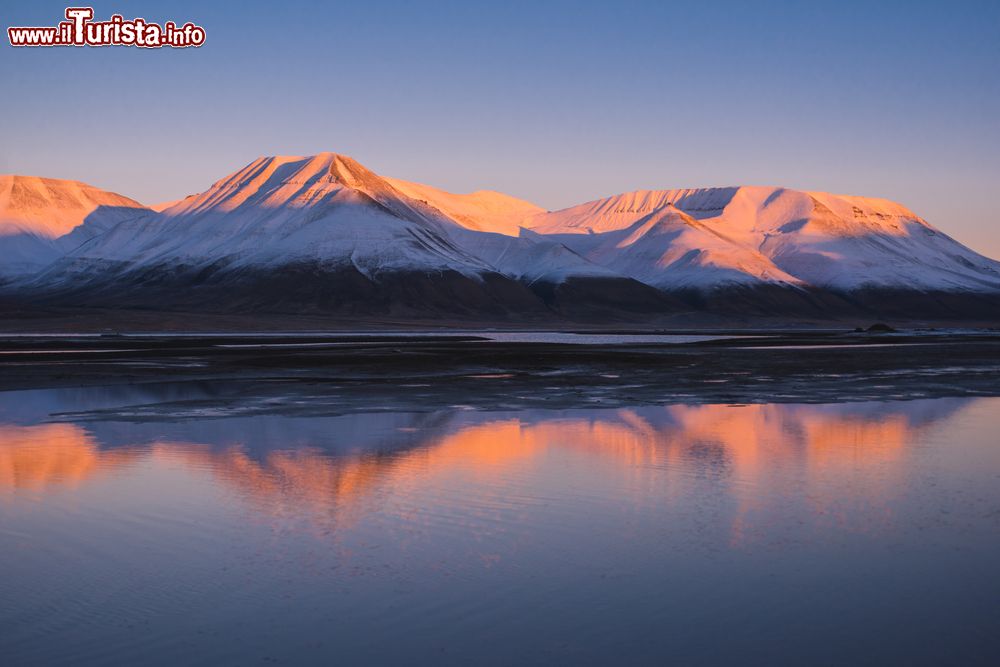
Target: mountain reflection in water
(319,465)
(531,535)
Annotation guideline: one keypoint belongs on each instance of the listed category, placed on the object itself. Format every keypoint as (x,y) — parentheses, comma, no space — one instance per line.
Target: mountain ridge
(357,241)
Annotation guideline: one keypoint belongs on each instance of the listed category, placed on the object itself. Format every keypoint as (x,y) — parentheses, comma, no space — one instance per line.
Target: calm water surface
(856,533)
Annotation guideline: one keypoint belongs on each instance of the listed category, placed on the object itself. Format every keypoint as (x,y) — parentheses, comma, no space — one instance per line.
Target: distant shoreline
(18,317)
(320,374)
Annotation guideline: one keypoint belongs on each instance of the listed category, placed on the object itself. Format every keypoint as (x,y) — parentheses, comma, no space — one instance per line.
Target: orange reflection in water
(754,447)
(35,457)
(747,437)
(284,482)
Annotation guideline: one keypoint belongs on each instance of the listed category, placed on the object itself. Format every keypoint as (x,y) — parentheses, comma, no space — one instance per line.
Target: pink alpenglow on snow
(328,210)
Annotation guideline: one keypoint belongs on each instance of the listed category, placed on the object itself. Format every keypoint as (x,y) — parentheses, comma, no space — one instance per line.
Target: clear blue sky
(556,102)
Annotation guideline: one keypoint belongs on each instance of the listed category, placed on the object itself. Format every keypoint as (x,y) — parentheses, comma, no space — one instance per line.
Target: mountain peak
(270,182)
(348,171)
(329,161)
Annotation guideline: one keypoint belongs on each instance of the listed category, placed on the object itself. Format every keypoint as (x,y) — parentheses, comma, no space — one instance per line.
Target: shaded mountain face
(324,234)
(41,219)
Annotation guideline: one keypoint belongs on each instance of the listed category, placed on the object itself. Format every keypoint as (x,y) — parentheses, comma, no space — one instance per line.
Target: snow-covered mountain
(330,210)
(323,232)
(326,230)
(746,235)
(669,249)
(41,219)
(325,209)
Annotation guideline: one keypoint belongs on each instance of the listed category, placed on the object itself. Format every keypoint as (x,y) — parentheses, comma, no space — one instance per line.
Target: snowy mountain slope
(530,258)
(624,210)
(488,226)
(163,206)
(855,243)
(669,249)
(772,234)
(484,210)
(43,218)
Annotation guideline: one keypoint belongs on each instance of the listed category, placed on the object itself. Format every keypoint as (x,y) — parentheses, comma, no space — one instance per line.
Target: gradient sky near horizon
(555,102)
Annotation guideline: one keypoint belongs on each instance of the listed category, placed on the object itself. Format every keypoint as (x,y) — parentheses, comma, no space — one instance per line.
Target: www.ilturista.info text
(80,30)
